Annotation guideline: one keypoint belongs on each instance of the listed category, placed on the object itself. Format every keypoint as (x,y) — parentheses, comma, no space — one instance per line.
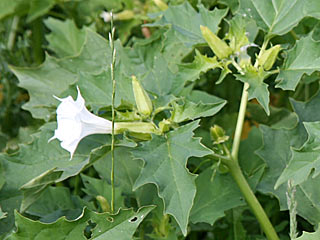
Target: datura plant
(146,133)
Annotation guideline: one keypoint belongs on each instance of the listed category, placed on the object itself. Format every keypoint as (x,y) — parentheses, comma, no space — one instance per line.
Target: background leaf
(65,38)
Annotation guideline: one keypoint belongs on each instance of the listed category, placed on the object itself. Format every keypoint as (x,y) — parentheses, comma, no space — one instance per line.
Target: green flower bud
(218,134)
(268,57)
(164,125)
(160,4)
(143,101)
(124,15)
(103,203)
(218,46)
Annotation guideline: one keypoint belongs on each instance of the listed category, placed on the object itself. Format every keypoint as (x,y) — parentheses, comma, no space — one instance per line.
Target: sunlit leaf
(165,160)
(303,58)
(279,16)
(106,226)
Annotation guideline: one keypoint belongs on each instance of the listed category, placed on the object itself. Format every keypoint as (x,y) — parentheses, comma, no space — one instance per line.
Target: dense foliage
(180,169)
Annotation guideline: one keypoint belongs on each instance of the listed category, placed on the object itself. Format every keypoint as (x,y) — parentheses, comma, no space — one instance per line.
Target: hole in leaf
(88,229)
(110,219)
(133,219)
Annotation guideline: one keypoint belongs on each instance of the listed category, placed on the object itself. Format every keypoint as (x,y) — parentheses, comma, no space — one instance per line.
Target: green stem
(113,54)
(200,165)
(235,169)
(251,199)
(240,120)
(37,40)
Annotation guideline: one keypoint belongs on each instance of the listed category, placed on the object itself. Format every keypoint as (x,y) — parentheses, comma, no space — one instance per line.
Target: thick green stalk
(239,126)
(235,169)
(251,199)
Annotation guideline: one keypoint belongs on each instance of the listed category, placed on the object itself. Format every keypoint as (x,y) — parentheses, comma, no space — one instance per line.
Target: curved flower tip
(75,122)
(106,16)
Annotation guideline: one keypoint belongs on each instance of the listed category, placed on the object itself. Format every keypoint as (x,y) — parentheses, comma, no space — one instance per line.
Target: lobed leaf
(257,88)
(310,236)
(65,38)
(165,160)
(277,17)
(186,21)
(304,160)
(107,226)
(303,58)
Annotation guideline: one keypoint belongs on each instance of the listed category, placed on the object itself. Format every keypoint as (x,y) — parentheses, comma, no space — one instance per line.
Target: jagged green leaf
(278,17)
(100,187)
(216,193)
(304,160)
(310,236)
(65,38)
(303,58)
(55,202)
(39,8)
(165,159)
(197,104)
(126,170)
(119,226)
(186,21)
(40,163)
(257,88)
(200,64)
(276,153)
(89,70)
(232,4)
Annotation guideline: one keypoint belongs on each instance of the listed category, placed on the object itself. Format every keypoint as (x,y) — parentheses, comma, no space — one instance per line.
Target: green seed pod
(218,135)
(268,57)
(218,46)
(143,101)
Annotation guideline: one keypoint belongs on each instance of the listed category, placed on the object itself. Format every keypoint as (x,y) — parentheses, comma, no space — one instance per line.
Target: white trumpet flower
(75,122)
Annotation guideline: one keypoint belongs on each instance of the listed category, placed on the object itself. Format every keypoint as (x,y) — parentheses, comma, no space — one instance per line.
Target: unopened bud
(143,101)
(164,125)
(268,57)
(124,15)
(103,203)
(218,134)
(160,4)
(218,46)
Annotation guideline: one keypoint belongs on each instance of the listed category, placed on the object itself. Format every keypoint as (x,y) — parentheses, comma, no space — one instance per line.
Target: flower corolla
(75,122)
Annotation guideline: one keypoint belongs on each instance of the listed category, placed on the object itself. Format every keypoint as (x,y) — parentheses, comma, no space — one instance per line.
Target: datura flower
(75,122)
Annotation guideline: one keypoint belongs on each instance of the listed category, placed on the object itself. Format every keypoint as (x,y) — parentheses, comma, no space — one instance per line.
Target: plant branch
(235,169)
(251,199)
(113,55)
